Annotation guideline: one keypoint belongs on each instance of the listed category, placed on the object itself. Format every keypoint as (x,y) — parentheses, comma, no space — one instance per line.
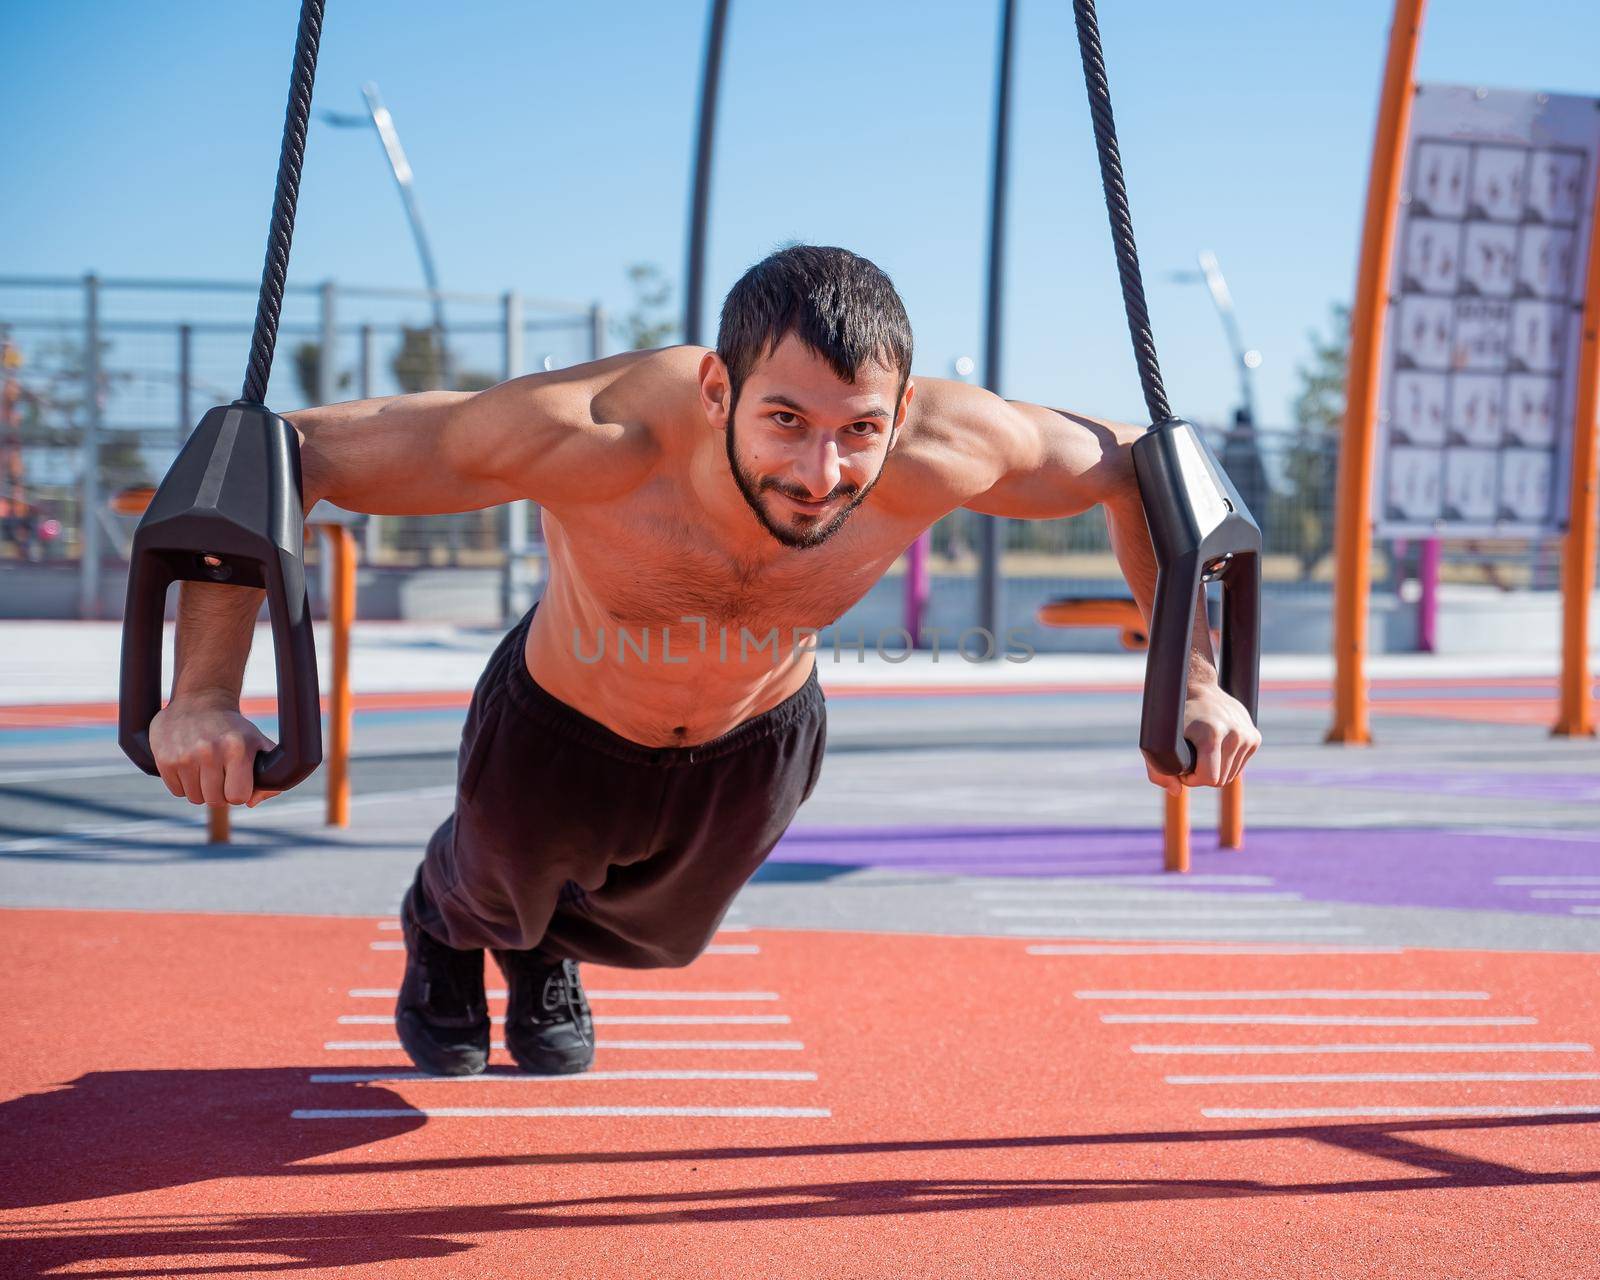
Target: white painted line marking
(1137,911)
(1425,1046)
(736,928)
(387,946)
(1522,880)
(1584,911)
(1195,933)
(1329,1113)
(522,1077)
(732,949)
(50,775)
(1313,1020)
(1167,879)
(1115,895)
(1591,894)
(499,1113)
(1281,995)
(784,1045)
(390,993)
(184,828)
(1392,1077)
(620,1020)
(390,925)
(1201,949)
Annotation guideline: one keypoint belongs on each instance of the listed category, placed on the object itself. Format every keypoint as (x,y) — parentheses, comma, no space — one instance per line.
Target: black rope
(291,158)
(1105,140)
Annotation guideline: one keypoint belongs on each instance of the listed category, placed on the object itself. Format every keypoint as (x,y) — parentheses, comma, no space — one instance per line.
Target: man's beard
(806,538)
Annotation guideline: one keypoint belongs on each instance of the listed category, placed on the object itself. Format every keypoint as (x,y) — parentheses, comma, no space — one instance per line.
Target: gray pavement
(933,813)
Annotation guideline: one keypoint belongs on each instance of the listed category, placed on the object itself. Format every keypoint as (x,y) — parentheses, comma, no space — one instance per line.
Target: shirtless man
(641,739)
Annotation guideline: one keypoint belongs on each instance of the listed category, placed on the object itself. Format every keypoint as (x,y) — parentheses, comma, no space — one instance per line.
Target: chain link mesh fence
(160,352)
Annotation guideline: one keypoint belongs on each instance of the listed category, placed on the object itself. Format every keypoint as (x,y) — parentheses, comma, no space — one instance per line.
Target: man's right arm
(424,454)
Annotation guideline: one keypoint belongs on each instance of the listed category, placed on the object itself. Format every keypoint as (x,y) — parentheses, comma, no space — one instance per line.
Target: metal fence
(120,370)
(157,353)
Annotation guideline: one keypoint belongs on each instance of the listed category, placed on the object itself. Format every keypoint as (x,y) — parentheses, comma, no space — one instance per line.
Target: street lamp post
(379,119)
(1241,453)
(694,270)
(1247,359)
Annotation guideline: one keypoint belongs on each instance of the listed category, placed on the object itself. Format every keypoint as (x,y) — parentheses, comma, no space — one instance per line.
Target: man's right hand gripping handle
(205,750)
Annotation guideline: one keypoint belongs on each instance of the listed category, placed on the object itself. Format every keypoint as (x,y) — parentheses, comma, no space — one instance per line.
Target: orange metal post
(1353,535)
(1230,820)
(217,824)
(1175,832)
(1576,719)
(342,551)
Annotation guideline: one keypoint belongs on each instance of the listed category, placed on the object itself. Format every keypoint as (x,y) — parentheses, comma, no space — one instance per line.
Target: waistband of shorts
(550,712)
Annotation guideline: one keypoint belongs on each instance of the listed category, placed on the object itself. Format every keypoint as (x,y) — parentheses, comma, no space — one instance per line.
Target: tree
(419,364)
(308,373)
(1302,516)
(648,324)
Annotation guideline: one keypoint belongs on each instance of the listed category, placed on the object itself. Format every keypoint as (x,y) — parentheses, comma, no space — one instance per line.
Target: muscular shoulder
(958,441)
(595,431)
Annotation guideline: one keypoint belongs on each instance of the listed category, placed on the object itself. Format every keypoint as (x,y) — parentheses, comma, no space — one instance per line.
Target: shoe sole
(431,1059)
(564,1066)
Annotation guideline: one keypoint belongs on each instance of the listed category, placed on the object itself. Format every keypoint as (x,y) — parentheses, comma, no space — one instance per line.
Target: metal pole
(372,535)
(89,484)
(1352,583)
(185,381)
(327,366)
(700,200)
(1428,600)
(991,529)
(1211,272)
(327,392)
(597,332)
(400,167)
(514,601)
(368,362)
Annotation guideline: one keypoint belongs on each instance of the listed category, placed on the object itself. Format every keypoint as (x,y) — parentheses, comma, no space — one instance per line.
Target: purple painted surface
(1392,867)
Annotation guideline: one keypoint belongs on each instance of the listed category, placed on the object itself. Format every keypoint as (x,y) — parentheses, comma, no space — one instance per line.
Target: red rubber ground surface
(984,1120)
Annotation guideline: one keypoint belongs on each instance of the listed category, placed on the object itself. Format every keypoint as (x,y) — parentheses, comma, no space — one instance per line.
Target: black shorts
(573,839)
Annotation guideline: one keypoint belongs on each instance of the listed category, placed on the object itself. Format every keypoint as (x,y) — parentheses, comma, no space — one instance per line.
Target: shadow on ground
(116,1133)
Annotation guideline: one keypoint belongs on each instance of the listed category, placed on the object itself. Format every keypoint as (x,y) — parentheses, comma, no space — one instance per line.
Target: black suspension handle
(230,509)
(1199,529)
(228,512)
(1201,532)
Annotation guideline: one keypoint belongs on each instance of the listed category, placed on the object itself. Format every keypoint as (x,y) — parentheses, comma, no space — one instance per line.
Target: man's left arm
(1055,464)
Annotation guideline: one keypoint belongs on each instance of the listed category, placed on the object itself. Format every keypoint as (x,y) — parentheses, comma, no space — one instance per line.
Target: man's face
(805,447)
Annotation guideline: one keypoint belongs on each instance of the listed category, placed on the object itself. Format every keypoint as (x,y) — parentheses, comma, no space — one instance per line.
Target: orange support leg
(217,824)
(1175,832)
(342,551)
(1230,820)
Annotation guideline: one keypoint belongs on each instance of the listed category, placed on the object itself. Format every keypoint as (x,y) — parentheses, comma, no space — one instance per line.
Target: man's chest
(649,568)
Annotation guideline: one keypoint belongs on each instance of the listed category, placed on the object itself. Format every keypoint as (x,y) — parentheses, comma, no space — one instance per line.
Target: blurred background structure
(160,351)
(1262,172)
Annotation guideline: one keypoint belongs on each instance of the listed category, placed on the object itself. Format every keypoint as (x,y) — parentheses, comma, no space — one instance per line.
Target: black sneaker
(549,1029)
(442,1014)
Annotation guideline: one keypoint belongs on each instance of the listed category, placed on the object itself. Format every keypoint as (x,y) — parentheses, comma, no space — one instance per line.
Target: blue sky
(551,145)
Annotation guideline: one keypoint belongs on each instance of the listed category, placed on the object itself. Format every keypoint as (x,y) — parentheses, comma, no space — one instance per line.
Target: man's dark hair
(837,303)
